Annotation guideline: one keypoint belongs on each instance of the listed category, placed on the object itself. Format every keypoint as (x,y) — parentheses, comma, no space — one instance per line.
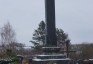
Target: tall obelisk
(51,39)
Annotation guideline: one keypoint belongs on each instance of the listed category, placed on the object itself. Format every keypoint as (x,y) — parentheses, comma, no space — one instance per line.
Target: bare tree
(7,34)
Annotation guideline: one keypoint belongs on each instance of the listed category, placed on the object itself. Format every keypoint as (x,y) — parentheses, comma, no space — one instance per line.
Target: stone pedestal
(51,56)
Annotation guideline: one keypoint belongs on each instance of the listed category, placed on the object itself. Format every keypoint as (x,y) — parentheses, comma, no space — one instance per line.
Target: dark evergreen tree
(62,38)
(38,39)
(39,36)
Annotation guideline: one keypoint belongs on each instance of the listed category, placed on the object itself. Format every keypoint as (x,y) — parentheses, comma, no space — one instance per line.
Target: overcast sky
(75,17)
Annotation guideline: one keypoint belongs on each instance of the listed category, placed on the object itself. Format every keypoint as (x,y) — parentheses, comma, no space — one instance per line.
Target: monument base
(50,56)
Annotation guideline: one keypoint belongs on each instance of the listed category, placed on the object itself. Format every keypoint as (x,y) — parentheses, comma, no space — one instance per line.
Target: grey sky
(75,17)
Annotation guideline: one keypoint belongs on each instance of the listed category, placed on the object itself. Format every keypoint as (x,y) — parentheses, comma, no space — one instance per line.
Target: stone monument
(50,53)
